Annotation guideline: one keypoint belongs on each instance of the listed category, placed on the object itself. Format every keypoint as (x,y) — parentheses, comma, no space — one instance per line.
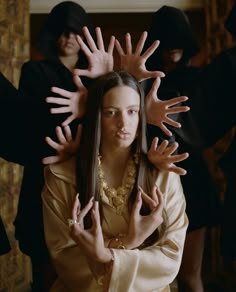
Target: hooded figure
(172,28)
(230,23)
(177,46)
(62,54)
(227,162)
(68,16)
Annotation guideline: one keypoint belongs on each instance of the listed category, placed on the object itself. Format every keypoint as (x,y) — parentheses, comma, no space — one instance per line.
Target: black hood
(230,23)
(67,15)
(172,28)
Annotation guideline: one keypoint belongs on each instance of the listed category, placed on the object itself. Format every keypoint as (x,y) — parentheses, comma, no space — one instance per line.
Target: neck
(169,66)
(114,165)
(69,62)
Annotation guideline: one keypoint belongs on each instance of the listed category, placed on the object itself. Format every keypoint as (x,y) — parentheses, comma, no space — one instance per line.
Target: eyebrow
(130,106)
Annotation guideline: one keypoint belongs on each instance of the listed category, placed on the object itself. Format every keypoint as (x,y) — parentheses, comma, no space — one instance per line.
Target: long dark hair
(88,184)
(87,159)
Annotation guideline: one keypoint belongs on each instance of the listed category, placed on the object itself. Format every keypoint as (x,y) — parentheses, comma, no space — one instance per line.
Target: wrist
(121,242)
(108,256)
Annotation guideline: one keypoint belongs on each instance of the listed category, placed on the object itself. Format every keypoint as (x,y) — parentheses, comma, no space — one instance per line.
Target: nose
(122,121)
(69,34)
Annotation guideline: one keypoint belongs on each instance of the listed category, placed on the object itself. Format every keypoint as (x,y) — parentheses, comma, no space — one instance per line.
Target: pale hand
(90,240)
(100,61)
(141,227)
(134,62)
(157,110)
(161,156)
(65,147)
(73,102)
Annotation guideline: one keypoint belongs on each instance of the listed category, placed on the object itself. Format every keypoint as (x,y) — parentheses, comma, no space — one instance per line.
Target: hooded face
(67,44)
(65,16)
(173,55)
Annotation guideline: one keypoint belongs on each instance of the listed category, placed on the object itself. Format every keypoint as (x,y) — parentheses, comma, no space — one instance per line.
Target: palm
(100,61)
(134,62)
(158,110)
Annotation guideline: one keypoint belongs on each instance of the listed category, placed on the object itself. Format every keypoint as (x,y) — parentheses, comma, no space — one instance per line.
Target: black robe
(203,203)
(25,143)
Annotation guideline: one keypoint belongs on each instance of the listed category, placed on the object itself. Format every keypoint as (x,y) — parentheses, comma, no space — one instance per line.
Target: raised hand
(89,240)
(134,62)
(66,147)
(141,227)
(100,61)
(157,110)
(161,156)
(74,102)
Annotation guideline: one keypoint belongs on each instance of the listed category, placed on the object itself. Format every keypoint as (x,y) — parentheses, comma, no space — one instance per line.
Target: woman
(177,47)
(62,54)
(137,245)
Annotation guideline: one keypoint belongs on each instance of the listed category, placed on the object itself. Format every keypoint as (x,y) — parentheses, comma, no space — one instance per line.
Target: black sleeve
(14,144)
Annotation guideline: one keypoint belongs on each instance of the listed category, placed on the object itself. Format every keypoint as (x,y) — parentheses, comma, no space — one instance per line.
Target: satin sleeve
(155,267)
(71,264)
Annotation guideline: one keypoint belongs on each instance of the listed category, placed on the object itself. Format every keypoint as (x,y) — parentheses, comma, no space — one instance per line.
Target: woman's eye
(133,111)
(110,113)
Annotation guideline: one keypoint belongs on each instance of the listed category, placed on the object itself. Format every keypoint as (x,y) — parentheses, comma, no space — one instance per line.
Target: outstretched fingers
(119,48)
(60,91)
(111,45)
(128,43)
(89,38)
(99,39)
(151,49)
(141,43)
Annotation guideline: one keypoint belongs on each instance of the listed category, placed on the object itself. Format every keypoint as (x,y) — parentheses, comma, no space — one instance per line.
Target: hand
(66,147)
(141,227)
(100,61)
(90,240)
(134,63)
(74,102)
(161,156)
(157,110)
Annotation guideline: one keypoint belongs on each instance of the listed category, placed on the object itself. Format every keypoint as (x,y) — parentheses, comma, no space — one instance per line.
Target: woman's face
(173,55)
(67,44)
(119,118)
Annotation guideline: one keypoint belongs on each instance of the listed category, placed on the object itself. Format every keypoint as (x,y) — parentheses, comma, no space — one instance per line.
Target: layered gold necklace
(118,198)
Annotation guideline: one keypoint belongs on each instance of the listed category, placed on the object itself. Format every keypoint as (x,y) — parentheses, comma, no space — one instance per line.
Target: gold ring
(72,222)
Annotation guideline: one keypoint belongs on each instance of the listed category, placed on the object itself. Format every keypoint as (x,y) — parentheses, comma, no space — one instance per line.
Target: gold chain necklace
(118,198)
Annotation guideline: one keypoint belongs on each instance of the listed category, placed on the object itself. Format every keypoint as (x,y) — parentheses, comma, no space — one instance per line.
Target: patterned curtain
(15,272)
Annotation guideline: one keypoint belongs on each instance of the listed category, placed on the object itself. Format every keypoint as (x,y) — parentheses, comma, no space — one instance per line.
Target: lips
(69,44)
(122,134)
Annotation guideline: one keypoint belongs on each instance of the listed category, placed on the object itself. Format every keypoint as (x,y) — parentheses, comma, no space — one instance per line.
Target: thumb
(155,86)
(77,79)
